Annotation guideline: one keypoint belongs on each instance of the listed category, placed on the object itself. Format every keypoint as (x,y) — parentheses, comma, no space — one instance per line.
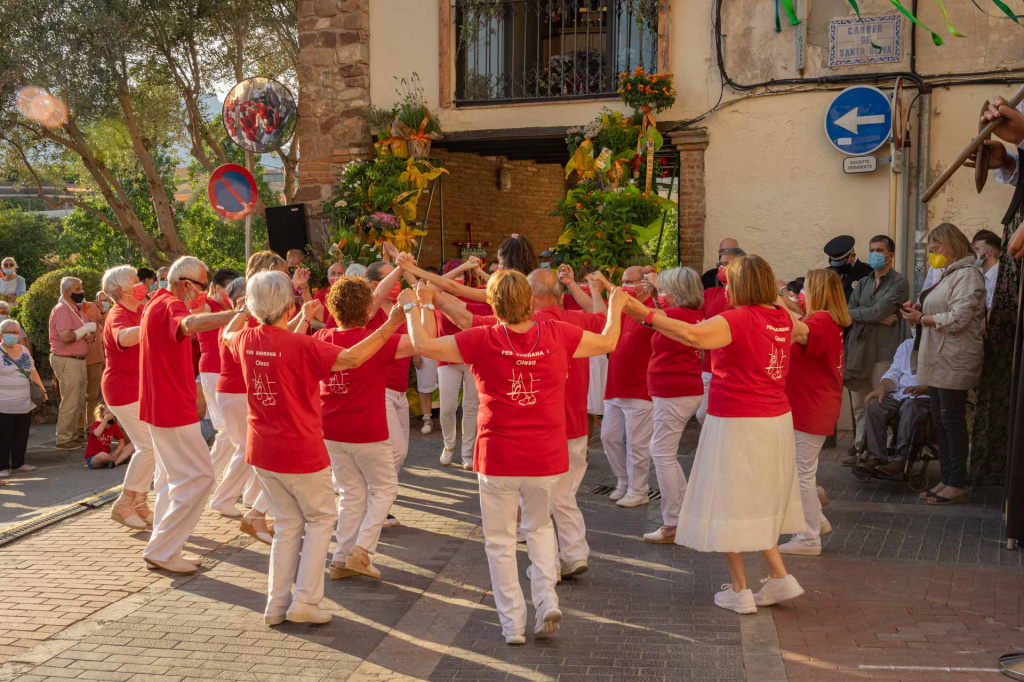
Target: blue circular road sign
(232,191)
(859,120)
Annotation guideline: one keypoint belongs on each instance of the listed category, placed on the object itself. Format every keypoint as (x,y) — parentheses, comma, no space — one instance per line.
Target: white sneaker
(230,511)
(776,590)
(446,457)
(274,618)
(428,427)
(5,473)
(575,568)
(740,602)
(514,639)
(548,621)
(633,500)
(307,613)
(826,527)
(529,574)
(660,537)
(801,547)
(618,493)
(467,466)
(391,522)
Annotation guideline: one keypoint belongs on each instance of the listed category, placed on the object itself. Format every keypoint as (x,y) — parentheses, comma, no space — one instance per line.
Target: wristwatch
(427,306)
(649,320)
(409,306)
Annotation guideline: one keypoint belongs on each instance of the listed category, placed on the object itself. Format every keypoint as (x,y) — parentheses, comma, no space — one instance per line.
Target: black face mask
(78,298)
(841,269)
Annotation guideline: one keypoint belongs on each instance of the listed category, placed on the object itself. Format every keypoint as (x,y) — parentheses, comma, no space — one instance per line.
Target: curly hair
(349,301)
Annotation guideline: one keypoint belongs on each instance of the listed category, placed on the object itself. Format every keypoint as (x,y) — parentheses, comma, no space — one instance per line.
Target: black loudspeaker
(286,228)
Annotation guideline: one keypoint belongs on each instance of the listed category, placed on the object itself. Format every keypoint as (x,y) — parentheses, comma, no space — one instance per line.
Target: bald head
(633,276)
(728,243)
(545,286)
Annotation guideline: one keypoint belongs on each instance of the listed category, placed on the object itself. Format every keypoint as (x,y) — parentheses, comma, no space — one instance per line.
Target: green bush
(34,308)
(28,238)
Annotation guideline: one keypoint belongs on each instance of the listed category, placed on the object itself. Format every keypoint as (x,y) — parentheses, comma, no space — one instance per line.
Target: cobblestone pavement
(903,592)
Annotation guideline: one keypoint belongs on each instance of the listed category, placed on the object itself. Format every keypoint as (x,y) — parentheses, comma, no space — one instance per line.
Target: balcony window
(527,50)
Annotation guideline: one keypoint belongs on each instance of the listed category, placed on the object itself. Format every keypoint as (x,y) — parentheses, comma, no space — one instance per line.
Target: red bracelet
(649,320)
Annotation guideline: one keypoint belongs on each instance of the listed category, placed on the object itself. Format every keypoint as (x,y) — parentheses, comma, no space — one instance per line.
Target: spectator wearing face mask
(71,335)
(12,285)
(710,279)
(95,360)
(17,374)
(842,258)
(987,246)
(5,314)
(872,340)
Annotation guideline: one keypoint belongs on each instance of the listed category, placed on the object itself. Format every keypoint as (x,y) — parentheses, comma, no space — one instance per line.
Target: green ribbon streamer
(1006,10)
(949,27)
(788,6)
(778,24)
(936,38)
(1009,13)
(856,10)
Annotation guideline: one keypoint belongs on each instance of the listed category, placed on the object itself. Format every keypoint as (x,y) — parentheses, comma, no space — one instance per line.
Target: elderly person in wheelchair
(898,393)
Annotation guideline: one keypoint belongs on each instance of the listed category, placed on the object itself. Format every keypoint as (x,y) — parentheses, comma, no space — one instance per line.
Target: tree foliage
(30,239)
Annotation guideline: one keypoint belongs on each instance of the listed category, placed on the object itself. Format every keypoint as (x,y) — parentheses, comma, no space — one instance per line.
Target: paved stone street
(903,591)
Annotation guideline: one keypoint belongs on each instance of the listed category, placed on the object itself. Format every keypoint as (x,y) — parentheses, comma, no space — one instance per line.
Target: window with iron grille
(526,50)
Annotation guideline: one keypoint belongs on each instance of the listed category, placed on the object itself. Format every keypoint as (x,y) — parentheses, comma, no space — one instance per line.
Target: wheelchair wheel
(918,482)
(861,476)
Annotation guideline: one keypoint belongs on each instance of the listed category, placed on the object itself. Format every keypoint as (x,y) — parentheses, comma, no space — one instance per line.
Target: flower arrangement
(406,129)
(642,91)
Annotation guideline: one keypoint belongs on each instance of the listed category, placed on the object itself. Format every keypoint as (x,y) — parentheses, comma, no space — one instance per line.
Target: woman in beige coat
(950,323)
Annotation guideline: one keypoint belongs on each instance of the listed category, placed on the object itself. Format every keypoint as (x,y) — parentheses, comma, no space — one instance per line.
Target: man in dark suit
(710,278)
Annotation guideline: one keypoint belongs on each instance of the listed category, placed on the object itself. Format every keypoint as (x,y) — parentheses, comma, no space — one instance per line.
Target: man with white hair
(167,402)
(71,334)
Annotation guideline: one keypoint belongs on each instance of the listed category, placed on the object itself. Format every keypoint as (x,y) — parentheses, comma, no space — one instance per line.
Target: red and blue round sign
(232,191)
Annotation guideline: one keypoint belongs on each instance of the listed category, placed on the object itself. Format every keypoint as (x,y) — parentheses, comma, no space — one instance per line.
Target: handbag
(36,392)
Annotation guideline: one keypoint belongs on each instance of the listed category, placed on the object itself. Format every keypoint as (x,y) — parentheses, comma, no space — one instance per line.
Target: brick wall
(691,145)
(471,195)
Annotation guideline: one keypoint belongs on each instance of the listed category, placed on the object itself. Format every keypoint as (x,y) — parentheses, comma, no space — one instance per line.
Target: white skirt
(743,491)
(598,379)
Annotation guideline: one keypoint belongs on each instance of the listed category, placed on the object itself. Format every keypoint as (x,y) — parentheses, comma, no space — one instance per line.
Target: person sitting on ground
(898,392)
(100,451)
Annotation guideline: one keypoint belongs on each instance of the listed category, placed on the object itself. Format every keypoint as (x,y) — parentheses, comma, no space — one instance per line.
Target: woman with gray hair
(17,373)
(674,382)
(120,386)
(282,373)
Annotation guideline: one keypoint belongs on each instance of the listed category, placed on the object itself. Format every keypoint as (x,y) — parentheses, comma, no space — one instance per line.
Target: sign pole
(250,164)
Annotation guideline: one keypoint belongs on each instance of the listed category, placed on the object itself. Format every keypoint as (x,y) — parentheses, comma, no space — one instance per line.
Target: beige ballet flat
(248,529)
(359,562)
(132,520)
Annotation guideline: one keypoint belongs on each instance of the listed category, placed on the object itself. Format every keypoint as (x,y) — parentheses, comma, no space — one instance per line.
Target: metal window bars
(527,50)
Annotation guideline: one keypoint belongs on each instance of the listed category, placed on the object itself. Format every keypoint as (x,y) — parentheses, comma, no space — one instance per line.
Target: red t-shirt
(95,445)
(398,370)
(674,369)
(329,321)
(627,364)
(815,387)
(352,400)
(750,373)
(283,372)
(715,302)
(576,423)
(209,344)
(522,397)
(231,380)
(120,382)
(167,386)
(446,327)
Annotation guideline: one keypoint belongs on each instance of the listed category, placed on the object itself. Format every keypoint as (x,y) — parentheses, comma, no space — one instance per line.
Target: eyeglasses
(202,285)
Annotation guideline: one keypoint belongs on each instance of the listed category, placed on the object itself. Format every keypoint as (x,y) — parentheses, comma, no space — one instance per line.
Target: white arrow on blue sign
(859,120)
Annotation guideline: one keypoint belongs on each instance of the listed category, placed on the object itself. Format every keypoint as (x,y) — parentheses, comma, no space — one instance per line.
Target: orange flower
(628,86)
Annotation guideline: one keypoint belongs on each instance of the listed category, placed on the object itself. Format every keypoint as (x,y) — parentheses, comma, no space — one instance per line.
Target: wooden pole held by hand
(968,150)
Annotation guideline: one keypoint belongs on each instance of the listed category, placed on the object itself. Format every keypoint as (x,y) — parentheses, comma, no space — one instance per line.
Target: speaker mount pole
(250,164)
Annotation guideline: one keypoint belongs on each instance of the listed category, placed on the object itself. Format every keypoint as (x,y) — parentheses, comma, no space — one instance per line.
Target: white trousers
(239,477)
(303,508)
(572,531)
(220,453)
(598,379)
(368,485)
(426,378)
(808,445)
(670,417)
(499,499)
(184,478)
(450,378)
(139,476)
(702,411)
(626,436)
(398,426)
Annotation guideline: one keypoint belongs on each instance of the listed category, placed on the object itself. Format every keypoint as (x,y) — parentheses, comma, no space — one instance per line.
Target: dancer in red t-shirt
(120,386)
(674,382)
(743,488)
(815,391)
(521,368)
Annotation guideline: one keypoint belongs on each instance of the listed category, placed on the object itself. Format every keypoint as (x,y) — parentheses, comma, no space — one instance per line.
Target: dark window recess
(527,50)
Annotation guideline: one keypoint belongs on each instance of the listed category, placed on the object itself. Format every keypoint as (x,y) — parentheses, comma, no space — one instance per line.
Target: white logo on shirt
(523,394)
(264,393)
(776,362)
(338,383)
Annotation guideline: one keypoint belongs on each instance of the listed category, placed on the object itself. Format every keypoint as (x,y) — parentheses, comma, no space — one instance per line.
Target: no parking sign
(232,191)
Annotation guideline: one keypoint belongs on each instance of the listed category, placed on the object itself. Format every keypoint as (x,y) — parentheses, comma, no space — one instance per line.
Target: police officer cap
(839,247)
